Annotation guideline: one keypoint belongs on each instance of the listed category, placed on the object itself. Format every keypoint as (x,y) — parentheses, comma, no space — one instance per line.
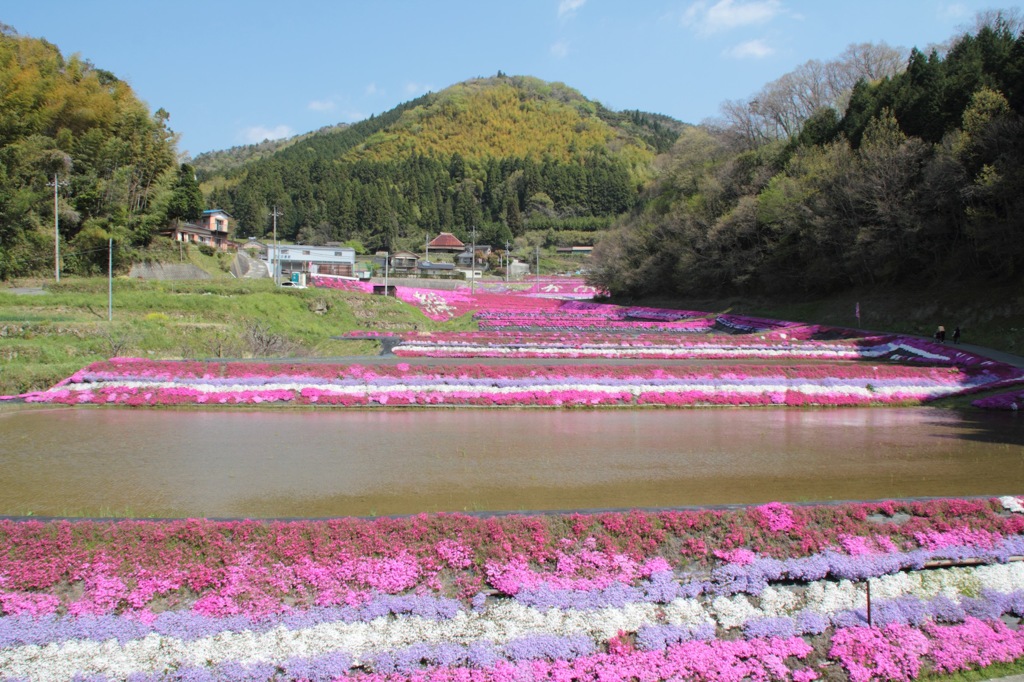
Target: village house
(213,229)
(574,250)
(435,270)
(466,259)
(446,242)
(309,260)
(404,262)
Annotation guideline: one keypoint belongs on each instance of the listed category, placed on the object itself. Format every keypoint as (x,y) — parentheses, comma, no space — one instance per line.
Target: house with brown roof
(446,242)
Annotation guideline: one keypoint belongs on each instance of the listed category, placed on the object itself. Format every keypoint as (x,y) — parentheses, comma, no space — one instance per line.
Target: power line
(75,252)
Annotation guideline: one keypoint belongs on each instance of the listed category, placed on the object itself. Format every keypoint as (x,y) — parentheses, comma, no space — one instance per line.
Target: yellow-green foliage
(45,92)
(481,119)
(65,116)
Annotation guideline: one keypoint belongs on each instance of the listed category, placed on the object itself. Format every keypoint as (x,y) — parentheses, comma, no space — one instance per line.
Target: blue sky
(236,72)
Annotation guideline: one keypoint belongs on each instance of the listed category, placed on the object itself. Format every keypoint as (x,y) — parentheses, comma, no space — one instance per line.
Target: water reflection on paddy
(284,463)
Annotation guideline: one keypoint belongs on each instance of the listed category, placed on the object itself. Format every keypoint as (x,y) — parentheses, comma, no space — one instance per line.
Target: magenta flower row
(129,381)
(164,370)
(126,565)
(503,343)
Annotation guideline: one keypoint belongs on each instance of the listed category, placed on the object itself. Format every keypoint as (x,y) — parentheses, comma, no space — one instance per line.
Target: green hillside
(64,118)
(503,154)
(226,160)
(912,179)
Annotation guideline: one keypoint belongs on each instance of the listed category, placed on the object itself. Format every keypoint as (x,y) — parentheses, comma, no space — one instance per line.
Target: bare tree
(863,61)
(264,343)
(1010,19)
(740,123)
(782,106)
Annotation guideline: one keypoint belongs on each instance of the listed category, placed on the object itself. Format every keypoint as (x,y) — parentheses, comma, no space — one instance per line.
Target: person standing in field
(956,335)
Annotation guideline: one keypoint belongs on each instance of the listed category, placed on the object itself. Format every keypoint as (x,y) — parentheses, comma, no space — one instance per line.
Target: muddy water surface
(293,463)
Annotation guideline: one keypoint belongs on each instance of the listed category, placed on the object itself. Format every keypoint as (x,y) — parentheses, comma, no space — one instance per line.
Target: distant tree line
(918,176)
(380,204)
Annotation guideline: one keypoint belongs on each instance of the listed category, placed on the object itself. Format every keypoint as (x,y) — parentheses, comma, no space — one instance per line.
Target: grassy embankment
(46,337)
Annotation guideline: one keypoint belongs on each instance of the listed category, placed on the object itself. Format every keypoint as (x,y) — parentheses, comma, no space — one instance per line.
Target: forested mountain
(913,176)
(114,163)
(226,160)
(502,154)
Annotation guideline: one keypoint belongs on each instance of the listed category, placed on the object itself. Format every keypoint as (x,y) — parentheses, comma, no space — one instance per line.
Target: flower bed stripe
(136,382)
(640,592)
(502,631)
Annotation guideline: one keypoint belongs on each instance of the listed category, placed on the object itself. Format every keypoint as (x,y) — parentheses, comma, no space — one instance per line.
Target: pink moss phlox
(403,384)
(773,517)
(856,545)
(891,652)
(972,644)
(103,593)
(253,568)
(454,553)
(28,604)
(740,556)
(957,537)
(579,568)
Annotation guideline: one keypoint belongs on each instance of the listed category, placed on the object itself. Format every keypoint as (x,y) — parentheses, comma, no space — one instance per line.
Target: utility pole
(277,256)
(508,262)
(538,268)
(472,265)
(110,279)
(56,231)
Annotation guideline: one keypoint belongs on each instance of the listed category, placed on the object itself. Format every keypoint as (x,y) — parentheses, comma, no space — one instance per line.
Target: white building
(309,260)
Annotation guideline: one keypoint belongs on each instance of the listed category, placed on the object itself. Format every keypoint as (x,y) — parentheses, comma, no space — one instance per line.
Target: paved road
(251,268)
(1008,358)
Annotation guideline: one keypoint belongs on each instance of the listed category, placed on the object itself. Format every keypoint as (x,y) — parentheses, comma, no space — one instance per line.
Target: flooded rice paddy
(305,463)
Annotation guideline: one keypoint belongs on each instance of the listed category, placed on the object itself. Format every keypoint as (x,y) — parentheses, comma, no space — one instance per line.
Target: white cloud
(752,49)
(417,88)
(725,15)
(255,134)
(955,10)
(372,90)
(569,7)
(321,105)
(560,49)
(352,116)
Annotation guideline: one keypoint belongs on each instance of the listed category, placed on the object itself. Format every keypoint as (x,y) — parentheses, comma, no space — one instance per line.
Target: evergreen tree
(186,200)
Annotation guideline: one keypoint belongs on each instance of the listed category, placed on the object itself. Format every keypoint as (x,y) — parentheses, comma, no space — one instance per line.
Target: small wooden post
(868,583)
